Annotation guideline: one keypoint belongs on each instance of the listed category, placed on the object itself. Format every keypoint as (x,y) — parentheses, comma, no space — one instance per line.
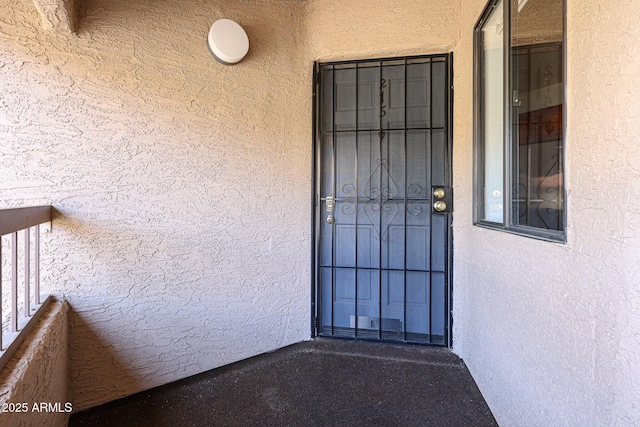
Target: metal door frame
(315,205)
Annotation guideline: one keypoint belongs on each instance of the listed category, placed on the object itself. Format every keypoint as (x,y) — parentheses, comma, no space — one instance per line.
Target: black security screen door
(383,199)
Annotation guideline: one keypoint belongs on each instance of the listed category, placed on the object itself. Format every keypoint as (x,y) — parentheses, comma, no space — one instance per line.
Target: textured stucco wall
(550,332)
(183,186)
(38,373)
(58,15)
(182,240)
(377,28)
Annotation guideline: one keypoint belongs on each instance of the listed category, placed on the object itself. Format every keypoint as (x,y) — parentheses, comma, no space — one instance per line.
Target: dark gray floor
(324,382)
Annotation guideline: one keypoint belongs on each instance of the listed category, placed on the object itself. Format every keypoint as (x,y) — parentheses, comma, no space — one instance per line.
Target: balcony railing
(23,302)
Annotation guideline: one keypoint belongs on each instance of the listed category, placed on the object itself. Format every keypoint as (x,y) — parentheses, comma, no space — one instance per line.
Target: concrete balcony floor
(323,382)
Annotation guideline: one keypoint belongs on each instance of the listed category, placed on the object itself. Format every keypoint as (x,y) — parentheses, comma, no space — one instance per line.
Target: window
(519,110)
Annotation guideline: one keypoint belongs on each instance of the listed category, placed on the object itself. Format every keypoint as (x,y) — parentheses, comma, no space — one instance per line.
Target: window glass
(519,183)
(492,112)
(536,116)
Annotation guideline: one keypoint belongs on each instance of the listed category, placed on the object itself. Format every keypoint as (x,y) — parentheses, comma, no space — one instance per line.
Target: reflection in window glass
(519,108)
(536,118)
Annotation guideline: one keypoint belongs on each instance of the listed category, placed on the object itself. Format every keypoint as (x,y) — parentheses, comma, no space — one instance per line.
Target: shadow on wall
(168,41)
(95,366)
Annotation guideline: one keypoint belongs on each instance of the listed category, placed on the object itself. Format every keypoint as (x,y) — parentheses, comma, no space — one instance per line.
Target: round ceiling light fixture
(227,42)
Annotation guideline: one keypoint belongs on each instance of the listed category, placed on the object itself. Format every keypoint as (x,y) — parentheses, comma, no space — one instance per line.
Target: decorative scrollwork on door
(380,200)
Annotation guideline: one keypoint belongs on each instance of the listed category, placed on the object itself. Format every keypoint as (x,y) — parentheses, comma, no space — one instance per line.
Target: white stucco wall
(183,188)
(182,240)
(550,332)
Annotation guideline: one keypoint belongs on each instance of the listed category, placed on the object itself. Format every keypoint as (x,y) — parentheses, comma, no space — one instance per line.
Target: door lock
(442,199)
(331,203)
(440,206)
(329,219)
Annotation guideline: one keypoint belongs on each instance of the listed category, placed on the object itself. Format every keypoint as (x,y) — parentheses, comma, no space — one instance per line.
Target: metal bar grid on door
(348,272)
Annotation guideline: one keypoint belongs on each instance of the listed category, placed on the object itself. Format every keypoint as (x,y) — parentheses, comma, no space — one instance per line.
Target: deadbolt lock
(440,206)
(329,219)
(442,199)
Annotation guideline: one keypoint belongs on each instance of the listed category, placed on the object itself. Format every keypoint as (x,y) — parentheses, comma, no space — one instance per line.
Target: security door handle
(442,199)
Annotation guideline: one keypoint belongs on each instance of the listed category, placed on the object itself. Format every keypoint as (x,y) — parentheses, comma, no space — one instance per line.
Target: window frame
(507,224)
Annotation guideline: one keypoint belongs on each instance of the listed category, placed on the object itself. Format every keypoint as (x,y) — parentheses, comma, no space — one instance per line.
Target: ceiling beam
(59,15)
